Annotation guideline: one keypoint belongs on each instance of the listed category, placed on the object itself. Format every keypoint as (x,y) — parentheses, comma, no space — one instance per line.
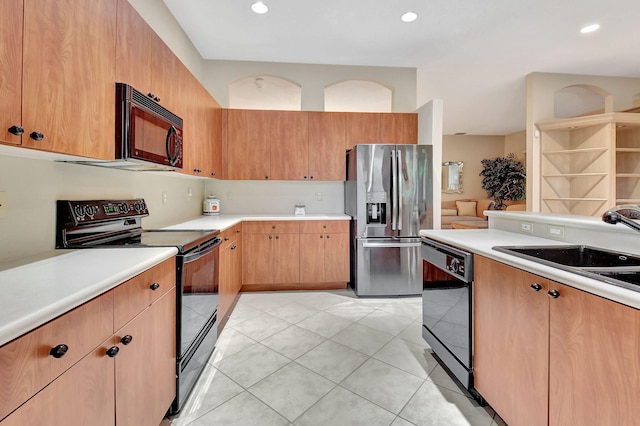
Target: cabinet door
(398,128)
(81,396)
(511,346)
(312,258)
(248,146)
(594,360)
(362,127)
(145,368)
(133,49)
(257,259)
(68,91)
(327,153)
(214,126)
(289,145)
(336,257)
(286,258)
(10,69)
(225,280)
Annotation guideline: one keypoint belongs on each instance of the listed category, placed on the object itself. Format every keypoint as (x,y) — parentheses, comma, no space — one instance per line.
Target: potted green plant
(504,179)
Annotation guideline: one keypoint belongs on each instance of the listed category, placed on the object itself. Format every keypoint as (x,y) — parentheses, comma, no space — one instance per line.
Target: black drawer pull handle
(536,287)
(36,136)
(154,286)
(113,351)
(554,294)
(16,130)
(59,351)
(126,339)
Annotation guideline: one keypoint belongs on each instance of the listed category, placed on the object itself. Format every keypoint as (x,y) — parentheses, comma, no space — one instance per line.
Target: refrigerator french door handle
(394,190)
(400,188)
(391,245)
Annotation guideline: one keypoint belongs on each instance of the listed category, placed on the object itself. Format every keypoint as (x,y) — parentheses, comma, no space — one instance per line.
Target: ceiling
(474,55)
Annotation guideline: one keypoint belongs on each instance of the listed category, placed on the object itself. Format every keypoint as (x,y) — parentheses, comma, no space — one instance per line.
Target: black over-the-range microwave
(146,132)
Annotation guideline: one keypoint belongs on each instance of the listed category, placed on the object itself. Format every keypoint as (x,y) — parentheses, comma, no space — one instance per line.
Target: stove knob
(454,265)
(79,211)
(89,210)
(123,208)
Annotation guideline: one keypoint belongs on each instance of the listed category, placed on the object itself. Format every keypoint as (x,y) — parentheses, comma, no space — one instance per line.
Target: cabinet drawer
(324,227)
(134,295)
(230,236)
(26,365)
(281,227)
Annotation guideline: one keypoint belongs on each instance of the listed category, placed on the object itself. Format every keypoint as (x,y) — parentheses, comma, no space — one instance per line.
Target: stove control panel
(83,212)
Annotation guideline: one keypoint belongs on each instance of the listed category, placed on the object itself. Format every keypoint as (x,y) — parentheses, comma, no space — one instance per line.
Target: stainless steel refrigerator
(389,195)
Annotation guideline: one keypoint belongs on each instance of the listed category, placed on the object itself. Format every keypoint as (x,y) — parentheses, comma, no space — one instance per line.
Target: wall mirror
(452,177)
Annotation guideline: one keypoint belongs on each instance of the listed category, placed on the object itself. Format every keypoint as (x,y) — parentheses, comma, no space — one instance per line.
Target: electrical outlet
(164,198)
(555,231)
(3,204)
(319,196)
(526,227)
(189,194)
(229,196)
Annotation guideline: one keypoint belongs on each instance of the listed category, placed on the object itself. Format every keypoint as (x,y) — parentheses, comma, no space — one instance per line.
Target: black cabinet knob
(154,286)
(59,351)
(16,130)
(536,287)
(126,339)
(226,238)
(233,247)
(36,136)
(311,177)
(270,237)
(305,177)
(321,236)
(157,99)
(213,173)
(554,294)
(328,237)
(197,170)
(113,351)
(237,231)
(151,95)
(266,177)
(277,237)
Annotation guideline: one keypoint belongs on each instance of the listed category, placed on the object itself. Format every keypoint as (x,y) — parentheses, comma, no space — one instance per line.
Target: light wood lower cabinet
(288,255)
(77,370)
(230,272)
(546,353)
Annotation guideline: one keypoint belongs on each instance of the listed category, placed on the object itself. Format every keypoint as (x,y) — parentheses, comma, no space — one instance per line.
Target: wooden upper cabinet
(214,116)
(327,154)
(10,69)
(68,85)
(133,52)
(399,128)
(362,128)
(248,145)
(289,145)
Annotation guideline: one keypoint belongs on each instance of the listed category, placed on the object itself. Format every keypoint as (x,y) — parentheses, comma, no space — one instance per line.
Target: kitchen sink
(574,255)
(610,266)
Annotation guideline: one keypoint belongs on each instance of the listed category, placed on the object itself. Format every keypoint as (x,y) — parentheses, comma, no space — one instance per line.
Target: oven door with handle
(199,292)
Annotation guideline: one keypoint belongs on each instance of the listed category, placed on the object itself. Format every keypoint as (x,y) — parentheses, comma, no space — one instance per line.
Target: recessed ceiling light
(409,17)
(590,28)
(259,8)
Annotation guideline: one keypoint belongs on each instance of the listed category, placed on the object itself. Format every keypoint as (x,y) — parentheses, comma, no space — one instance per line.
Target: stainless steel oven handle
(203,250)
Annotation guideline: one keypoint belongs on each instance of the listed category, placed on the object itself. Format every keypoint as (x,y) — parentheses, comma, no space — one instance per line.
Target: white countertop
(225,221)
(481,241)
(37,292)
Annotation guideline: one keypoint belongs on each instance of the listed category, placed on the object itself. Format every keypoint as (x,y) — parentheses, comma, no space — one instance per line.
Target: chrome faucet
(624,214)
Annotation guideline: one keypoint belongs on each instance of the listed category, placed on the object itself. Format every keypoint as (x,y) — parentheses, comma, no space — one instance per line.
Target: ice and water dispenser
(377,208)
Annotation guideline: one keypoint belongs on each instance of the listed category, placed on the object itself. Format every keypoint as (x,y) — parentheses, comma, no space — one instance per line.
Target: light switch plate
(3,204)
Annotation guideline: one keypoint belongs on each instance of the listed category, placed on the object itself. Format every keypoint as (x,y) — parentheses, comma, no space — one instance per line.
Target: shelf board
(601,200)
(628,175)
(572,175)
(576,151)
(628,150)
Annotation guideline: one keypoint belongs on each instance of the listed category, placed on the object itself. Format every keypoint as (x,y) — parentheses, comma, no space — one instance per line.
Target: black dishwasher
(447,317)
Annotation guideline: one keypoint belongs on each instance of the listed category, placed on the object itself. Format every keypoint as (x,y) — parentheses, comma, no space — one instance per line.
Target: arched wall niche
(265,92)
(581,99)
(358,96)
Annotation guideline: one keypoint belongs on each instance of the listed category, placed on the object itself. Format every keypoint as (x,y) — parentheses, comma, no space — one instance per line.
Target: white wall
(33,186)
(258,197)
(313,79)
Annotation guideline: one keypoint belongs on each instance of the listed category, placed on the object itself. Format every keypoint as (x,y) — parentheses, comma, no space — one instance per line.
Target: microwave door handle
(172,135)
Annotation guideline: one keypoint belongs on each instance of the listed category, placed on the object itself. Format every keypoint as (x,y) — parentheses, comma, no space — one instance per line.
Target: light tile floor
(326,358)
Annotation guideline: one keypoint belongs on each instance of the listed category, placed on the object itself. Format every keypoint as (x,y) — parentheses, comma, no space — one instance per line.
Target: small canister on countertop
(210,206)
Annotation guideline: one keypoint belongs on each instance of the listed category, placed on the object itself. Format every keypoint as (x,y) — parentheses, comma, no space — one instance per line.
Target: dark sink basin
(631,277)
(577,256)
